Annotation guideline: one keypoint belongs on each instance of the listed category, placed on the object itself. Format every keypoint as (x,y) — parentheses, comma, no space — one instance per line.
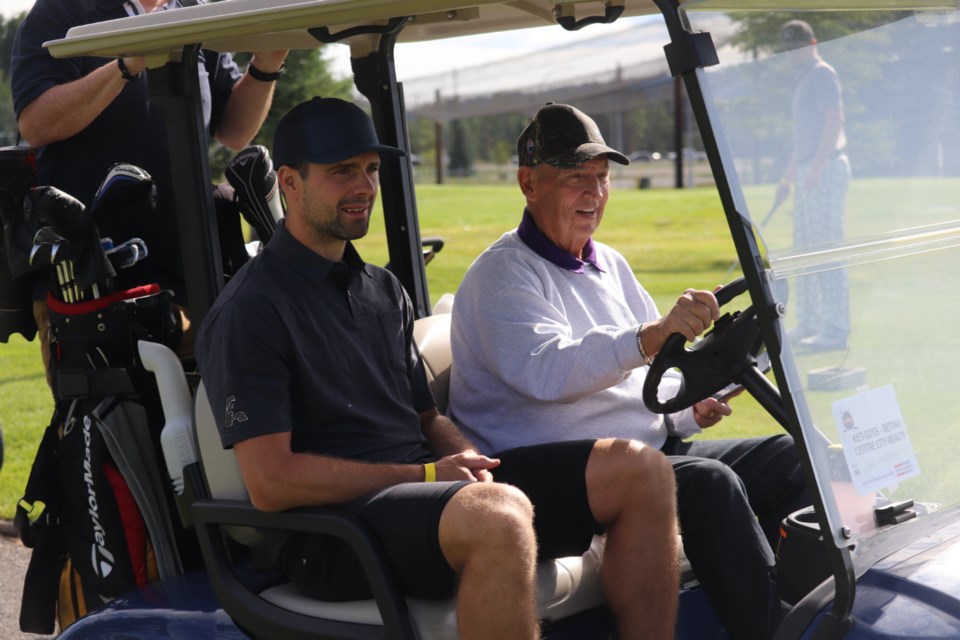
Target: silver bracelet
(643,354)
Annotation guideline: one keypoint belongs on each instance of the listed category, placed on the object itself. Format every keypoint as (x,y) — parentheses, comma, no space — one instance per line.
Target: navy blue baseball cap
(325,131)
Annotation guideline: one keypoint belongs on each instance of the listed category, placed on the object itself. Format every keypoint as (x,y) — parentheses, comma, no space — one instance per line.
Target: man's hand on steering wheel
(710,411)
(725,355)
(690,316)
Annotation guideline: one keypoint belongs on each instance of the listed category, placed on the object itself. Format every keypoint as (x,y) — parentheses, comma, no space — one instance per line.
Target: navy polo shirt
(323,350)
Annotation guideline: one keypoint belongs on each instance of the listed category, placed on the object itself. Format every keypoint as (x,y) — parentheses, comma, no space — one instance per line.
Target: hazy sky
(12,7)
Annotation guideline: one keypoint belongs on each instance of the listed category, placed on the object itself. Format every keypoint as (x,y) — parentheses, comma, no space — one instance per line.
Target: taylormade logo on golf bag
(100,558)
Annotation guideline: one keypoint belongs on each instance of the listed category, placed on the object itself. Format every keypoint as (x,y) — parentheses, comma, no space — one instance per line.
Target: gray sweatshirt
(543,354)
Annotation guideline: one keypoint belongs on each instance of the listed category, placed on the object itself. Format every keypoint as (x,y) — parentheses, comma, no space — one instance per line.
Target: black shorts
(554,478)
(406,520)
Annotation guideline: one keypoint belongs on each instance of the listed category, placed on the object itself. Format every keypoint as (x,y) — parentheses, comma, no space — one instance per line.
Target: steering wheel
(727,353)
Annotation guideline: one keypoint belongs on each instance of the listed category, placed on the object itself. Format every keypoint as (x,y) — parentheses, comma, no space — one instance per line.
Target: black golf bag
(97,506)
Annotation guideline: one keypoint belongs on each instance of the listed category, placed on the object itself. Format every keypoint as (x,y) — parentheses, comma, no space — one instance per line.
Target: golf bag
(97,507)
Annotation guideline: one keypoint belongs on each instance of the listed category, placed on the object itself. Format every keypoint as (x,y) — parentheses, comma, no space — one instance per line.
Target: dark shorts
(554,478)
(406,518)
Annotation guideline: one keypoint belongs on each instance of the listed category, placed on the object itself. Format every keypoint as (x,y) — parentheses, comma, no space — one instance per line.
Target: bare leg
(486,534)
(632,493)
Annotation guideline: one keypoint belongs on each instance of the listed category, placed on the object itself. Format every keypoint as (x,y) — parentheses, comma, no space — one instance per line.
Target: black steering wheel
(727,353)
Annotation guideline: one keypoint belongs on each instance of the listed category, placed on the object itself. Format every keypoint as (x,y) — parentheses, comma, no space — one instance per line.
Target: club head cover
(65,215)
(68,218)
(126,188)
(255,184)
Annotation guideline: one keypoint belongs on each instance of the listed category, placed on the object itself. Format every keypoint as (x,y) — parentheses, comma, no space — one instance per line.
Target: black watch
(263,76)
(124,72)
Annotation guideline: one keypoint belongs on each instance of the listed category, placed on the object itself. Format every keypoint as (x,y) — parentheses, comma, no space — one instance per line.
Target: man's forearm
(443,436)
(64,111)
(278,479)
(249,104)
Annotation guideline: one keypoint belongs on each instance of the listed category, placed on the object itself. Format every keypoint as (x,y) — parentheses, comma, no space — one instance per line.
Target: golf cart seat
(225,518)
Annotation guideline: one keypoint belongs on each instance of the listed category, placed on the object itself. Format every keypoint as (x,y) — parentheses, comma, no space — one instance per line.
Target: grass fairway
(673,239)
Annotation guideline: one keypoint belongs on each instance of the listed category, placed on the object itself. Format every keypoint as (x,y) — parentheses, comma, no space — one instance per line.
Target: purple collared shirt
(541,244)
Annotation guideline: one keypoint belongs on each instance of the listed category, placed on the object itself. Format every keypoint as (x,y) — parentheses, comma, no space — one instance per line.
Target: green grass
(25,408)
(673,239)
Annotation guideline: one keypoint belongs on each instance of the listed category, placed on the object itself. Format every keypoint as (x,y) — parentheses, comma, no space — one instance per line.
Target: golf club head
(127,254)
(46,248)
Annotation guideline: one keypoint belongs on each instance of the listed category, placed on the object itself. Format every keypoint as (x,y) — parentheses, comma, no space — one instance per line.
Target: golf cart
(878,553)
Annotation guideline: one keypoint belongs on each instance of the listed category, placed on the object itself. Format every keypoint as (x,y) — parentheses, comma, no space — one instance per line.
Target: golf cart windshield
(860,240)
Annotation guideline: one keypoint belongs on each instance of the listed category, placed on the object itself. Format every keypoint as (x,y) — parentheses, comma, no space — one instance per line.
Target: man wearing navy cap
(315,380)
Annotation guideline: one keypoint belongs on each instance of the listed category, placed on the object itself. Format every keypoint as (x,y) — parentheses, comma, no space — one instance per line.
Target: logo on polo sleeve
(231,416)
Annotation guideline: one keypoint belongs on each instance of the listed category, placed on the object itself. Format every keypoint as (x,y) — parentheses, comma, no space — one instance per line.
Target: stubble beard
(331,224)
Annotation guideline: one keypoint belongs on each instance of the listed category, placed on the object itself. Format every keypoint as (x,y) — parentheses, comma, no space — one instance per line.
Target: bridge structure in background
(606,77)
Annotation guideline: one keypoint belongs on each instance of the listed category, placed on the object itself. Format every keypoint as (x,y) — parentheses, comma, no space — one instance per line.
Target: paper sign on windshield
(875,442)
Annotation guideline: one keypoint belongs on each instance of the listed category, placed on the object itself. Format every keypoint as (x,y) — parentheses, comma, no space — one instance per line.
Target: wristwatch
(263,76)
(124,72)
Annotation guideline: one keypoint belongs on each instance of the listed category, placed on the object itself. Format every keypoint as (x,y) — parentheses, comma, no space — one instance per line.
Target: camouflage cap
(564,137)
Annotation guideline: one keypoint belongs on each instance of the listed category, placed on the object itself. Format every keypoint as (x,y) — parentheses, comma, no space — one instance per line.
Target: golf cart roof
(250,25)
(245,25)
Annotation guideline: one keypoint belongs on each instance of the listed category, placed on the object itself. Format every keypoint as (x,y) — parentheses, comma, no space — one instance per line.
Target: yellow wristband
(430,472)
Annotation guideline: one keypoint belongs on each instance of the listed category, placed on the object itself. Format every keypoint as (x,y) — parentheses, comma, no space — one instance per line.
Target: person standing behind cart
(86,114)
(819,170)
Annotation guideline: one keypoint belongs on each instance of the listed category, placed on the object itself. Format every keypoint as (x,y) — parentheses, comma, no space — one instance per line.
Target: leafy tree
(423,139)
(494,138)
(760,30)
(8,121)
(8,30)
(461,149)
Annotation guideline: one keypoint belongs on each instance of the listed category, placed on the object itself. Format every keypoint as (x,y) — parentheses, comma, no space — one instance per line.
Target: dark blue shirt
(323,350)
(129,130)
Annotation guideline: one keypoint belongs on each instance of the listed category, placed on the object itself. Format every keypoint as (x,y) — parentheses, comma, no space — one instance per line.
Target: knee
(624,472)
(492,516)
(508,508)
(705,473)
(785,462)
(630,461)
(707,482)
